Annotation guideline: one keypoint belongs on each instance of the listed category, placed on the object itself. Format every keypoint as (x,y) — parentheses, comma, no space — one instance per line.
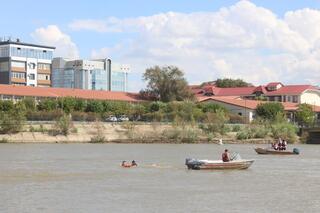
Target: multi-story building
(25,64)
(99,74)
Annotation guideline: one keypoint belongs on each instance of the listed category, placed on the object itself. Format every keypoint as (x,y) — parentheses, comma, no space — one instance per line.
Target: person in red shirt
(225,156)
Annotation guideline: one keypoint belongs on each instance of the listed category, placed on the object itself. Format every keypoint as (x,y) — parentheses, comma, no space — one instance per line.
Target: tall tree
(228,82)
(305,115)
(167,84)
(272,111)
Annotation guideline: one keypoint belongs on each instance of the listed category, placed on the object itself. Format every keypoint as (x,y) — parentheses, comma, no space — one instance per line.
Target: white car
(112,119)
(123,118)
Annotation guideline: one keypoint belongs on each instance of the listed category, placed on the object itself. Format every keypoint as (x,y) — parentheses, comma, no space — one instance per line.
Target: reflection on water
(88,178)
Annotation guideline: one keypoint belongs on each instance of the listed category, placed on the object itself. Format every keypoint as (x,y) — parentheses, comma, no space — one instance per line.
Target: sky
(257,41)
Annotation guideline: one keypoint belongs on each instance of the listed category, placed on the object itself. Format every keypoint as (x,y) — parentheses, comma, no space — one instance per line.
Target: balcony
(44,82)
(44,71)
(18,69)
(18,80)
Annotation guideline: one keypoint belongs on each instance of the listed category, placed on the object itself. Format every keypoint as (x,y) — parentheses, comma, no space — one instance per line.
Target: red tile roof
(273,84)
(63,92)
(251,104)
(247,91)
(290,90)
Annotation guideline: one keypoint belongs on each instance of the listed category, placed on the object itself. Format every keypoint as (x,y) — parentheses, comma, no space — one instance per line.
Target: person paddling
(226,156)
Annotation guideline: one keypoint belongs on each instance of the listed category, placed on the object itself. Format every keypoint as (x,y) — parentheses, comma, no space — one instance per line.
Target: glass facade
(118,81)
(63,78)
(99,79)
(4,52)
(31,53)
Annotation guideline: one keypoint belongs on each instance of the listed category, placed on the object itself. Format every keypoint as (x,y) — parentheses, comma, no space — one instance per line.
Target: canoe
(217,164)
(276,152)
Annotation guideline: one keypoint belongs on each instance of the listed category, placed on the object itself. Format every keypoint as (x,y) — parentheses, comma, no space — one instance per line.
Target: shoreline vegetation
(74,120)
(126,132)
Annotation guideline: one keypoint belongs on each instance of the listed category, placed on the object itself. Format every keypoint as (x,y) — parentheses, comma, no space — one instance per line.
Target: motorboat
(217,164)
(266,151)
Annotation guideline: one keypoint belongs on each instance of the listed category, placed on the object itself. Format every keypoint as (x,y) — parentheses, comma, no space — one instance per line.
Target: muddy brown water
(88,178)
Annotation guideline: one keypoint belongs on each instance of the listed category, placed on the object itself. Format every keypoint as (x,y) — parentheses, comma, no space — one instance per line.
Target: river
(88,178)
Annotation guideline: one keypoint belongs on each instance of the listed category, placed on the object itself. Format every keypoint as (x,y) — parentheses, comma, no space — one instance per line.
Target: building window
(32,76)
(18,64)
(7,97)
(32,65)
(289,98)
(19,75)
(43,77)
(19,84)
(4,66)
(295,99)
(42,66)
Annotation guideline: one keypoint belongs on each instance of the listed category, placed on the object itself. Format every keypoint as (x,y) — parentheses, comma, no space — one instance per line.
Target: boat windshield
(235,156)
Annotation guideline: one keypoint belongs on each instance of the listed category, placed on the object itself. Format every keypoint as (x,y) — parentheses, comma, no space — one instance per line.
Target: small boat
(265,151)
(217,164)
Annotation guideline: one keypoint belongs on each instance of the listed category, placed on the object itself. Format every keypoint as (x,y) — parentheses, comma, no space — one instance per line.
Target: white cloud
(52,35)
(243,40)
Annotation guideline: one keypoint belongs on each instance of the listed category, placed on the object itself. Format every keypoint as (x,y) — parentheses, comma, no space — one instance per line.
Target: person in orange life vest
(225,156)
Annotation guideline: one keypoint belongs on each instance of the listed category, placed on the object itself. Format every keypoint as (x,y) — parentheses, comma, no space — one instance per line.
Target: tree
(305,115)
(272,111)
(67,104)
(30,104)
(167,84)
(6,105)
(94,106)
(47,105)
(228,82)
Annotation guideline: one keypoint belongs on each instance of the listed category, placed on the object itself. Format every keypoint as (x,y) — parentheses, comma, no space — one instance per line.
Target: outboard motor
(296,151)
(193,163)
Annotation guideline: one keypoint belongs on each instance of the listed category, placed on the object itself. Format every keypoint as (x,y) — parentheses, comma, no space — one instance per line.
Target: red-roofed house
(274,91)
(246,108)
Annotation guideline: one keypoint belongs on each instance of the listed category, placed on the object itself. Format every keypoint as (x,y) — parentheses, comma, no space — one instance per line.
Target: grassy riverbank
(127,132)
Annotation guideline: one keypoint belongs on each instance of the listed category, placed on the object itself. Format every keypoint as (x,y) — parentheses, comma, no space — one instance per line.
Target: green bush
(85,116)
(285,131)
(12,121)
(256,131)
(236,128)
(99,136)
(4,140)
(43,115)
(272,111)
(236,119)
(63,125)
(6,106)
(243,135)
(48,105)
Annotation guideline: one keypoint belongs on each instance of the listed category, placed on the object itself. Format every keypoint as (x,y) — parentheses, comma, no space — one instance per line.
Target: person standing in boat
(226,156)
(279,144)
(284,144)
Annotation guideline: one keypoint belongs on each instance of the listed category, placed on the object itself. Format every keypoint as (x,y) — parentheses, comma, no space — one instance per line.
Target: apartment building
(100,74)
(25,64)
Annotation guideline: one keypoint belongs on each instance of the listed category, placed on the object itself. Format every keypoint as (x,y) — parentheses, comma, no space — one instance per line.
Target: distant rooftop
(10,40)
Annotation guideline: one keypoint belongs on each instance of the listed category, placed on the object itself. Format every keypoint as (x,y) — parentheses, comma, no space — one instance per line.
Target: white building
(101,74)
(25,64)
